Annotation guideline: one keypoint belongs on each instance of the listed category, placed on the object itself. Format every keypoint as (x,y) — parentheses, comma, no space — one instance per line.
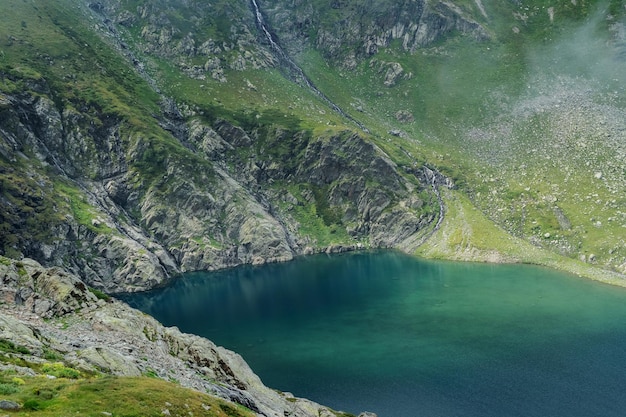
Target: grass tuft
(139,396)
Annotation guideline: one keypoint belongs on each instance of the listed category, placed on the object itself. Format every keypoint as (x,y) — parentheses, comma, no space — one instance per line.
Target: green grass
(207,241)
(8,388)
(84,213)
(10,347)
(99,294)
(322,229)
(41,397)
(467,234)
(59,370)
(73,59)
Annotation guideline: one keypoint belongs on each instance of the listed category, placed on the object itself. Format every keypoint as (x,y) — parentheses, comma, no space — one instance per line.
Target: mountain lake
(404,337)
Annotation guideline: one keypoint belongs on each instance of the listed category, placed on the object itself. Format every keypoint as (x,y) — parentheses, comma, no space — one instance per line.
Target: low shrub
(8,346)
(17,381)
(32,405)
(60,371)
(51,355)
(44,394)
(8,389)
(99,294)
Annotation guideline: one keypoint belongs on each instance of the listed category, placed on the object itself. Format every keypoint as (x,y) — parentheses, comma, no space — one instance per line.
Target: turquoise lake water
(403,337)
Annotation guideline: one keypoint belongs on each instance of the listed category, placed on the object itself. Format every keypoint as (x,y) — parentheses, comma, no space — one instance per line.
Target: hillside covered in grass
(142,140)
(523,105)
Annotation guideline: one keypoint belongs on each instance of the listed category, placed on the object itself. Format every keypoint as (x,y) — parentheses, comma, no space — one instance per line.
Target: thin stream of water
(295,68)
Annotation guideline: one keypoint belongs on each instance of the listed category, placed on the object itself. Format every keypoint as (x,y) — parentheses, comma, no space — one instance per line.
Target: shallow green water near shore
(399,336)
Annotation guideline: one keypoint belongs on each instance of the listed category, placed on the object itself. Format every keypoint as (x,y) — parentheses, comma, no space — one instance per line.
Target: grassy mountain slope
(521,103)
(128,162)
(123,109)
(141,139)
(529,121)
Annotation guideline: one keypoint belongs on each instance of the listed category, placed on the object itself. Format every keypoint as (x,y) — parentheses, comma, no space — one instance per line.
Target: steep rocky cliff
(141,140)
(128,203)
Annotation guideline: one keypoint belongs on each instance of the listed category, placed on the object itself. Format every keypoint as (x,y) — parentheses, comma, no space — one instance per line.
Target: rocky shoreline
(50,311)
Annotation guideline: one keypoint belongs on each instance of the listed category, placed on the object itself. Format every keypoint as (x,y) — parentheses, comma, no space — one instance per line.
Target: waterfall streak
(295,68)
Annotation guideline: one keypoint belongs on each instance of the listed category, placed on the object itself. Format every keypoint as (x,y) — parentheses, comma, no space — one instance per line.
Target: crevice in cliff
(436,179)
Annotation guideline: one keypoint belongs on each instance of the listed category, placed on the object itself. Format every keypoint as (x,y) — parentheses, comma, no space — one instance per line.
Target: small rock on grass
(9,405)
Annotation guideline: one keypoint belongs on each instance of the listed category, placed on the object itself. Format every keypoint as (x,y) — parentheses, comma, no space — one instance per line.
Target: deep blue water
(400,336)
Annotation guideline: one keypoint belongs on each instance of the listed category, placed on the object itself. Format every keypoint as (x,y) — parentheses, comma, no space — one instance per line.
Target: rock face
(197,50)
(110,337)
(345,31)
(199,196)
(9,405)
(358,29)
(46,292)
(128,191)
(68,219)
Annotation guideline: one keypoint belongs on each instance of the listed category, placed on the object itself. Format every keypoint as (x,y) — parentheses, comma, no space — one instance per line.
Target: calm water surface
(404,337)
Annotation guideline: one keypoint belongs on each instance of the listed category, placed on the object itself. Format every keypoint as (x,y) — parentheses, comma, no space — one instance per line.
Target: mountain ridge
(131,236)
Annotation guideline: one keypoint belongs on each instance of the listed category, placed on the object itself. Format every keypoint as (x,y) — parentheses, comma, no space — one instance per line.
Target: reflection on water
(404,337)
